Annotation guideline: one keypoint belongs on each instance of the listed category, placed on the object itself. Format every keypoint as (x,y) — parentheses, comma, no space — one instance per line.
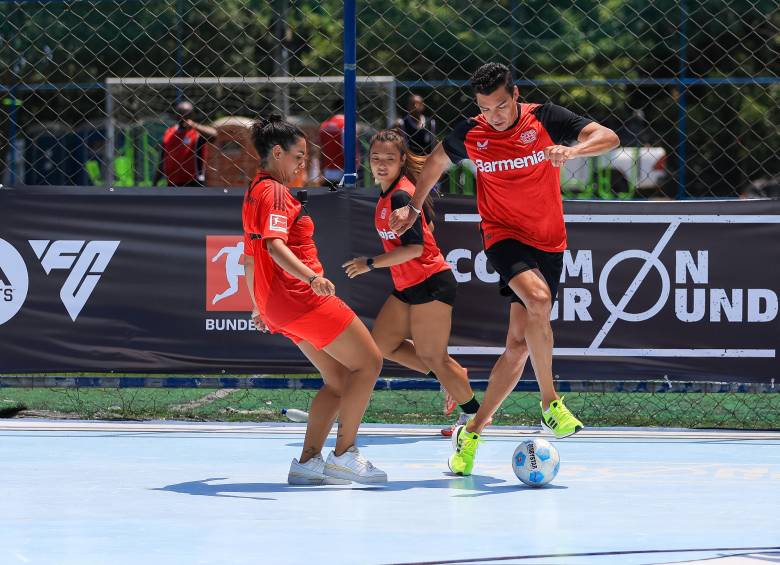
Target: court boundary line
(368,429)
(587,554)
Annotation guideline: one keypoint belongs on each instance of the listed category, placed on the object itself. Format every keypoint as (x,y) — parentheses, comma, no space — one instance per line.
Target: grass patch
(684,410)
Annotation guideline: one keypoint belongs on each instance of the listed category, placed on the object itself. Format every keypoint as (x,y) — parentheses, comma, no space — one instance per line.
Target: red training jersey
(332,147)
(270,211)
(180,155)
(518,190)
(415,271)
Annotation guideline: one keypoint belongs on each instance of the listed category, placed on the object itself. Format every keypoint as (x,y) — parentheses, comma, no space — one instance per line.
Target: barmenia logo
(509,164)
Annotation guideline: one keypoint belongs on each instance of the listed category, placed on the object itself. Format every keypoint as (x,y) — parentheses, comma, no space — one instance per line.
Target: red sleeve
(249,246)
(275,214)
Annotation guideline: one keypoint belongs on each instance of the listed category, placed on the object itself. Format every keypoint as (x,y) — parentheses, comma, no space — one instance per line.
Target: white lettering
(575,304)
(581,265)
(453,257)
(387,234)
(481,269)
(719,301)
(698,270)
(506,164)
(233,324)
(754,310)
(509,164)
(681,304)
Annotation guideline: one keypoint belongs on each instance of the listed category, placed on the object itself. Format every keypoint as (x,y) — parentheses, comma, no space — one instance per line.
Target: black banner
(151,280)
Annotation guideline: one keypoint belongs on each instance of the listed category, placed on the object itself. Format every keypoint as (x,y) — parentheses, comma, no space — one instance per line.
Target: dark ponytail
(412,166)
(272,130)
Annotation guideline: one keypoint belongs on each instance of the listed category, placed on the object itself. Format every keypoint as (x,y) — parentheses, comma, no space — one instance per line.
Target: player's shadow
(474,485)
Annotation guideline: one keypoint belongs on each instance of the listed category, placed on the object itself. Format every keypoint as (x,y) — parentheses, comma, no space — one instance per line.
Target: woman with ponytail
(413,326)
(291,296)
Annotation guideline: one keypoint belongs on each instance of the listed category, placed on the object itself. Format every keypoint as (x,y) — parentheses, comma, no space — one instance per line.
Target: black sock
(471,406)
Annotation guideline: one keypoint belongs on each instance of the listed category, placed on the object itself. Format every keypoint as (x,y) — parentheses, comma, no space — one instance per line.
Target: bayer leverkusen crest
(528,136)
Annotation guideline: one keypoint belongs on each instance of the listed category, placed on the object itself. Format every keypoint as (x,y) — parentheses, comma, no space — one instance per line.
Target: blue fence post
(682,133)
(350,93)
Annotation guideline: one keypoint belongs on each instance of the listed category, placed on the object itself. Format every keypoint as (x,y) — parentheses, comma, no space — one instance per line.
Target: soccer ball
(535,462)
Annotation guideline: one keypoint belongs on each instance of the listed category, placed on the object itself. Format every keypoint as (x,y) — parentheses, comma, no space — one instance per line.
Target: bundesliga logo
(509,164)
(226,289)
(278,223)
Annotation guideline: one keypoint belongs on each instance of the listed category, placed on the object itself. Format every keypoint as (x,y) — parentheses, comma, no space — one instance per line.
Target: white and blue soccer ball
(536,462)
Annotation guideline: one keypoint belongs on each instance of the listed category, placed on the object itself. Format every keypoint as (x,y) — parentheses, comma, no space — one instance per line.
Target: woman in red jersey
(420,307)
(292,296)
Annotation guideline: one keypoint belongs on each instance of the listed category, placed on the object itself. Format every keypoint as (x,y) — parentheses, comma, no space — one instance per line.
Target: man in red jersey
(332,149)
(518,149)
(182,152)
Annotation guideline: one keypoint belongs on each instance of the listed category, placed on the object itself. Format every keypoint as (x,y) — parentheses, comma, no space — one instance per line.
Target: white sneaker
(463,419)
(353,466)
(311,473)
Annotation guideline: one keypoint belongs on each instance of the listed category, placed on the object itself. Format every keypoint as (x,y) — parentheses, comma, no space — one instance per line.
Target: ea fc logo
(14,281)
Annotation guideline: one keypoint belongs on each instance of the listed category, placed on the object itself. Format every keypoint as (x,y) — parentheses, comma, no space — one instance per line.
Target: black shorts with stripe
(510,257)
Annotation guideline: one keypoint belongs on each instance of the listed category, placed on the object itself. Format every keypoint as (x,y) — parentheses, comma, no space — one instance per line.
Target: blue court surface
(88,493)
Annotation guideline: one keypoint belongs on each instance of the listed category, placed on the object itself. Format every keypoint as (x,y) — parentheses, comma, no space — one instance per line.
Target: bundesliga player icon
(518,149)
(233,269)
(420,306)
(291,296)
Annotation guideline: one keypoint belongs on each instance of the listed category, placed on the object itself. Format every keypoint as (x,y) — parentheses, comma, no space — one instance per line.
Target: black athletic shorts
(510,257)
(442,287)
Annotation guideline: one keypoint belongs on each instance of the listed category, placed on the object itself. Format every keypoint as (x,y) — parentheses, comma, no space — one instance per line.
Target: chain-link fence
(89,87)
(645,403)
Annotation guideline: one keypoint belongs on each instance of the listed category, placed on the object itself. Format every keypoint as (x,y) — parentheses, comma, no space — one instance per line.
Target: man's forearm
(207,131)
(597,143)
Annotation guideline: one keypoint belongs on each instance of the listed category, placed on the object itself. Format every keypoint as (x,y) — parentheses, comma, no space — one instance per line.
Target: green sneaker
(465,444)
(559,421)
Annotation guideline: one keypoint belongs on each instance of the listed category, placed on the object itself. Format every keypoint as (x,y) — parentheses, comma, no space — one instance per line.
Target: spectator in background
(332,150)
(420,130)
(182,154)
